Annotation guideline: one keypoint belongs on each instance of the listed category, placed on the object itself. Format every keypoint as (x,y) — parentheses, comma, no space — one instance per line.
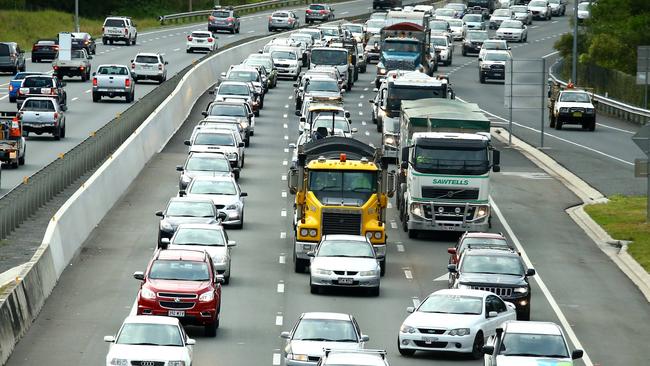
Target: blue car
(14,84)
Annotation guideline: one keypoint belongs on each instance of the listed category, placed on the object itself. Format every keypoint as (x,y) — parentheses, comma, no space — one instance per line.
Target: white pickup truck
(42,115)
(78,65)
(120,29)
(113,81)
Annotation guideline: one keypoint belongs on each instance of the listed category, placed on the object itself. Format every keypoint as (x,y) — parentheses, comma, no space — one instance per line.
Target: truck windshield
(399,46)
(396,94)
(337,185)
(329,57)
(451,160)
(77,54)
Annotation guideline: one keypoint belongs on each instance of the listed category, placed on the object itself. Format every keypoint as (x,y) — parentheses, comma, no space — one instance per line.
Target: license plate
(345,281)
(577,114)
(429,340)
(199,41)
(498,74)
(448,228)
(177,313)
(12,155)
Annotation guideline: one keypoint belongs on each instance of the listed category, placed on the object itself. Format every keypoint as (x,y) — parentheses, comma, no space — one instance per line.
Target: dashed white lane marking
(365,89)
(88,91)
(276,359)
(360,105)
(284,195)
(284,125)
(286,106)
(286,137)
(290,97)
(230,36)
(390,205)
(363,123)
(283,235)
(286,150)
(176,49)
(553,22)
(360,113)
(393,225)
(280,287)
(408,274)
(285,163)
(400,247)
(282,259)
(533,27)
(284,177)
(73,99)
(284,115)
(367,133)
(361,96)
(149,40)
(251,31)
(283,213)
(278,320)
(345,12)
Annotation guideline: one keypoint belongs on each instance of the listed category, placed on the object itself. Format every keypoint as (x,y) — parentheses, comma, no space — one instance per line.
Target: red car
(478,241)
(183,284)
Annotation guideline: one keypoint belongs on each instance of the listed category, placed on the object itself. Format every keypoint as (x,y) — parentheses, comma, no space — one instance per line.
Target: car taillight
(56,67)
(53,91)
(34,48)
(133,65)
(270,18)
(189,38)
(56,48)
(81,68)
(210,40)
(94,81)
(290,20)
(323,11)
(86,42)
(127,82)
(159,66)
(103,29)
(211,18)
(230,19)
(126,30)
(56,115)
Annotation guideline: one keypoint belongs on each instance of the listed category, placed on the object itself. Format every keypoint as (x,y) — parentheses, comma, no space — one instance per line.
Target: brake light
(308,11)
(270,18)
(133,65)
(211,18)
(103,29)
(81,68)
(52,91)
(56,47)
(210,40)
(56,115)
(94,81)
(230,19)
(323,11)
(189,38)
(290,20)
(56,67)
(126,30)
(34,48)
(127,82)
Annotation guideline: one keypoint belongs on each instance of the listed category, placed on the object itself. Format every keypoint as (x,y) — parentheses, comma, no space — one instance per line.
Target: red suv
(183,284)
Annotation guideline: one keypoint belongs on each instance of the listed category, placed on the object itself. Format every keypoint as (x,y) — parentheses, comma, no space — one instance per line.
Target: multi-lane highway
(577,286)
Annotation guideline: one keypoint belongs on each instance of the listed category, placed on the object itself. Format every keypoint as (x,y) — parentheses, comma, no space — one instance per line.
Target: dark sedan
(45,49)
(183,210)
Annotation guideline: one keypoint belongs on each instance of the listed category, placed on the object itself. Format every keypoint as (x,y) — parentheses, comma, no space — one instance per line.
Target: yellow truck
(341,186)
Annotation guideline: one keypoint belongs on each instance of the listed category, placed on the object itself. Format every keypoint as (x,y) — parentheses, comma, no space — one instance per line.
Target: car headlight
(219,259)
(323,272)
(521,290)
(232,156)
(407,329)
(464,287)
(297,357)
(564,110)
(459,332)
(589,111)
(381,71)
(233,206)
(485,67)
(374,272)
(119,362)
(147,294)
(206,296)
(166,226)
(176,363)
(389,140)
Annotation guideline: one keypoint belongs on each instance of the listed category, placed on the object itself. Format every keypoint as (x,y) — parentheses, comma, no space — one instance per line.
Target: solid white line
(276,359)
(550,54)
(549,297)
(280,287)
(73,99)
(1,98)
(278,320)
(284,177)
(285,115)
(88,91)
(284,194)
(408,274)
(400,247)
(284,162)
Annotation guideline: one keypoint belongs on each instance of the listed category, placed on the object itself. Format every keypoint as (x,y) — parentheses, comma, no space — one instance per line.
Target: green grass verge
(624,219)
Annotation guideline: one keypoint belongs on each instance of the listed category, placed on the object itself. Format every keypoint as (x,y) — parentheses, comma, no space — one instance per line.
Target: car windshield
(190,209)
(221,14)
(207,164)
(280,15)
(243,76)
(494,45)
(194,236)
(233,89)
(340,124)
(574,97)
(583,6)
(77,54)
(476,243)
(539,3)
(114,23)
(113,70)
(322,85)
(259,61)
(375,23)
(354,28)
(330,31)
(146,59)
(555,2)
(496,264)
(534,345)
(228,110)
(324,330)
(4,49)
(455,23)
(501,13)
(339,186)
(316,7)
(396,94)
(329,57)
(477,36)
(221,139)
(446,12)
(473,18)
(284,55)
(438,41)
(438,25)
(519,9)
(345,248)
(496,56)
(38,82)
(22,75)
(224,187)
(41,105)
(150,335)
(511,24)
(181,270)
(305,39)
(452,304)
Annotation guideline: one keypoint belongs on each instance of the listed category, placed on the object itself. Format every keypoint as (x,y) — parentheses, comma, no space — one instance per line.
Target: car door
(489,327)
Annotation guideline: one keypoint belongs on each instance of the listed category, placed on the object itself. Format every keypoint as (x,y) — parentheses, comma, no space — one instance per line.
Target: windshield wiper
(143,344)
(316,339)
(524,354)
(345,340)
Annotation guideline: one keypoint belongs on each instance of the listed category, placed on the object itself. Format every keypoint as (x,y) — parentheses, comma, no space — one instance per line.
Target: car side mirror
(223,74)
(179,168)
(222,215)
(492,314)
(295,85)
(232,243)
(365,338)
(190,342)
(94,73)
(204,113)
(452,268)
(243,194)
(182,193)
(285,335)
(347,114)
(303,120)
(530,272)
(159,213)
(451,250)
(488,350)
(109,339)
(187,143)
(164,243)
(311,254)
(241,144)
(577,354)
(131,61)
(166,62)
(139,275)
(90,57)
(410,309)
(220,279)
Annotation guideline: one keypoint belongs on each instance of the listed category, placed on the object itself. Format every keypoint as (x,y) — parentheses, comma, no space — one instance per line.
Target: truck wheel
(104,42)
(552,121)
(14,164)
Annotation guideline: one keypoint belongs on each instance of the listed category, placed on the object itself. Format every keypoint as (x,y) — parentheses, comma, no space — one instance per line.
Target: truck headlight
(407,329)
(313,232)
(459,332)
(481,212)
(389,140)
(416,209)
(304,232)
(521,290)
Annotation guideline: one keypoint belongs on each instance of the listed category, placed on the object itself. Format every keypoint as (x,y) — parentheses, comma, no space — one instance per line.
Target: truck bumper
(569,119)
(439,225)
(302,247)
(437,216)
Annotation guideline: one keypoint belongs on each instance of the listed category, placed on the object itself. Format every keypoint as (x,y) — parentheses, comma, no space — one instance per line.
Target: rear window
(221,14)
(45,82)
(39,105)
(316,7)
(114,23)
(201,35)
(4,49)
(46,43)
(113,70)
(280,15)
(146,59)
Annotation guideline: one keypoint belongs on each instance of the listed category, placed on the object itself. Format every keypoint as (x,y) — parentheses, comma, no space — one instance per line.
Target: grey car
(224,19)
(184,210)
(210,164)
(522,13)
(12,58)
(209,237)
(283,19)
(225,194)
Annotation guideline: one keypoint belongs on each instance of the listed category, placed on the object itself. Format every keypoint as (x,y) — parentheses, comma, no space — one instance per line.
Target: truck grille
(399,65)
(342,222)
(449,194)
(176,305)
(501,291)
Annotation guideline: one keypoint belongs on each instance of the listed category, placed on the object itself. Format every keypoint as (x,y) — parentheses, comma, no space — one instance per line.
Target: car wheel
(12,100)
(210,330)
(404,352)
(558,124)
(551,121)
(524,314)
(63,132)
(464,52)
(300,265)
(96,98)
(21,160)
(241,224)
(57,134)
(592,127)
(477,347)
(226,279)
(129,98)
(104,42)
(257,113)
(382,267)
(481,78)
(412,234)
(374,291)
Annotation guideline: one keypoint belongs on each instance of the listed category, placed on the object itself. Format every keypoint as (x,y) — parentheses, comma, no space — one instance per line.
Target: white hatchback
(201,40)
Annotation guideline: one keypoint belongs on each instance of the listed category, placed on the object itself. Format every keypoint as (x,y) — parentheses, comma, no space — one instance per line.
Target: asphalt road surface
(577,286)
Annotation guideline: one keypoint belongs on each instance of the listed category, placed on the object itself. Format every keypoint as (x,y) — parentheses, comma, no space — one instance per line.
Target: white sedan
(513,30)
(151,340)
(201,40)
(453,320)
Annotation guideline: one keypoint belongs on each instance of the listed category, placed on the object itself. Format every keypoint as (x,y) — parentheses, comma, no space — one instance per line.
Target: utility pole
(76,16)
(574,58)
(189,4)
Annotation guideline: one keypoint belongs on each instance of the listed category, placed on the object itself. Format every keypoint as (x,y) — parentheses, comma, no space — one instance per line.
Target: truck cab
(336,57)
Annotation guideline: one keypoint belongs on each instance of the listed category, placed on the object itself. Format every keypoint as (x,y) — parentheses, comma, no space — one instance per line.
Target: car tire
(404,352)
(412,234)
(257,113)
(104,41)
(129,97)
(558,124)
(300,265)
(21,160)
(382,267)
(57,134)
(524,314)
(226,279)
(63,132)
(464,52)
(135,40)
(210,330)
(241,224)
(481,78)
(96,98)
(12,100)
(314,289)
(247,142)
(236,175)
(374,291)
(477,346)
(592,127)
(551,121)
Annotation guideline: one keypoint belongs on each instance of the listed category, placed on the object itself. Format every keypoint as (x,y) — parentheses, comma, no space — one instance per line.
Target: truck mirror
(405,157)
(576,354)
(404,165)
(347,114)
(496,161)
(293,181)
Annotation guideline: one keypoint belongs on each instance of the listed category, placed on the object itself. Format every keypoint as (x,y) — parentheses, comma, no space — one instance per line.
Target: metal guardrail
(246,8)
(609,106)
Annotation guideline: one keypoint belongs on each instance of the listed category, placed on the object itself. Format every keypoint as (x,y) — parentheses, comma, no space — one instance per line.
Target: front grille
(348,273)
(448,194)
(496,67)
(431,331)
(399,65)
(501,291)
(576,109)
(431,345)
(281,65)
(173,295)
(220,207)
(448,213)
(313,358)
(147,363)
(337,222)
(177,305)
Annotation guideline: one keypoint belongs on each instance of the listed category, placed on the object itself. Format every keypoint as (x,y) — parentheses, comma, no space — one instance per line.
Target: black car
(183,210)
(473,41)
(45,49)
(42,86)
(12,58)
(85,41)
(501,271)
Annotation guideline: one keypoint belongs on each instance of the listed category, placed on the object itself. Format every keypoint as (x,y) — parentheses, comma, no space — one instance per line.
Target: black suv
(500,271)
(224,19)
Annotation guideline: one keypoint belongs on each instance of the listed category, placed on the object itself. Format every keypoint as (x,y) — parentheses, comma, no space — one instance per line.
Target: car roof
(483,235)
(190,199)
(351,357)
(155,54)
(326,315)
(243,67)
(232,82)
(207,155)
(220,131)
(151,319)
(216,178)
(182,255)
(490,252)
(533,327)
(201,226)
(461,292)
(345,237)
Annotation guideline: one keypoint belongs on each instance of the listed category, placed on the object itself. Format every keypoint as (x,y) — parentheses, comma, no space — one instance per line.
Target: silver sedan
(224,192)
(344,261)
